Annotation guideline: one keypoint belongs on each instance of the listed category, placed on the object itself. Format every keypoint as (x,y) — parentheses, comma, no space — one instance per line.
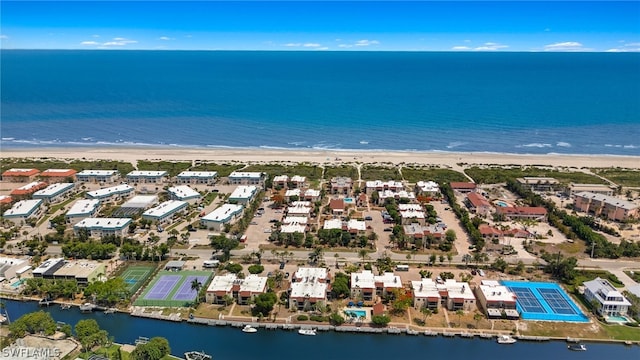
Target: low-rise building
(280,182)
(26,191)
(83,272)
(602,189)
(478,204)
(429,188)
(337,207)
(365,285)
(5,200)
(610,301)
(247,178)
(451,294)
(538,184)
(225,214)
(608,206)
(11,267)
(184,193)
(243,194)
(426,294)
(417,231)
(55,192)
(463,187)
(492,295)
(383,195)
(20,175)
(293,194)
(300,209)
(459,296)
(293,228)
(48,268)
(98,176)
(341,185)
(197,177)
(298,182)
(241,290)
(140,202)
(537,213)
(82,209)
(378,185)
(99,227)
(58,175)
(311,195)
(111,194)
(165,212)
(309,287)
(147,177)
(23,210)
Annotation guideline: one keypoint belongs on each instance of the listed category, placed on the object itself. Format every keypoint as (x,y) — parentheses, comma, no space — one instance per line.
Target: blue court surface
(544,301)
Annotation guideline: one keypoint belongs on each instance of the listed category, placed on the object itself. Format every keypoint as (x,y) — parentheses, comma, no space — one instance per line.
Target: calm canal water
(231,343)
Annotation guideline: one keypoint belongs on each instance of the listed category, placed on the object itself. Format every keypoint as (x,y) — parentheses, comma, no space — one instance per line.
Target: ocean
(524,103)
(231,343)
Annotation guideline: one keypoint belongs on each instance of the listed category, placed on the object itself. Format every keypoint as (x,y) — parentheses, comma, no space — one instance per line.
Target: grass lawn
(624,177)
(622,332)
(563,329)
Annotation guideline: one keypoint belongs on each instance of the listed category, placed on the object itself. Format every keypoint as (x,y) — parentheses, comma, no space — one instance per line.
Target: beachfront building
(5,200)
(20,175)
(309,287)
(601,189)
(165,212)
(99,227)
(383,195)
(378,186)
(225,214)
(341,186)
(111,194)
(98,176)
(83,272)
(538,184)
(22,211)
(494,298)
(26,191)
(48,268)
(428,188)
(82,209)
(58,175)
(11,267)
(366,286)
(54,192)
(411,213)
(184,193)
(197,177)
(311,195)
(610,301)
(463,187)
(426,294)
(607,206)
(478,204)
(537,213)
(242,291)
(298,182)
(147,177)
(247,178)
(243,194)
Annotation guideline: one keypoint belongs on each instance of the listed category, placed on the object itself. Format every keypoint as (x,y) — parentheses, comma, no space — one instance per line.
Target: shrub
(302,318)
(256,269)
(380,320)
(317,318)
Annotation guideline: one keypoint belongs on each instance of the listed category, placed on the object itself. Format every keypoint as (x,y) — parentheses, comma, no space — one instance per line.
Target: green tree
(255,269)
(477,317)
(33,323)
(459,313)
(196,285)
(224,244)
(336,319)
(500,264)
(263,304)
(340,287)
(426,312)
(364,254)
(380,320)
(89,333)
(155,349)
(466,258)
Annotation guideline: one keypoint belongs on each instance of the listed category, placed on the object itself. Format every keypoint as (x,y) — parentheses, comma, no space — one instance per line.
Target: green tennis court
(135,276)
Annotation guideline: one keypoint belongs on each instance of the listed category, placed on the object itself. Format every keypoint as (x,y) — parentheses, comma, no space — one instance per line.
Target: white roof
(311,289)
(384,194)
(244,174)
(106,192)
(312,192)
(103,223)
(412,214)
(292,228)
(23,208)
(46,265)
(405,207)
(11,261)
(609,200)
(428,186)
(141,201)
(147,173)
(458,290)
(295,220)
(183,192)
(332,224)
(380,183)
(166,208)
(367,280)
(602,289)
(223,213)
(30,185)
(312,273)
(281,178)
(298,210)
(301,203)
(53,189)
(2,197)
(252,282)
(298,178)
(425,288)
(83,207)
(354,224)
(243,192)
(97,172)
(493,291)
(198,174)
(292,192)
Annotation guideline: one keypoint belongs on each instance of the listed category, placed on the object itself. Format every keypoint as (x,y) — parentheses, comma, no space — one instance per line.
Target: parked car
(388,229)
(281,265)
(368,218)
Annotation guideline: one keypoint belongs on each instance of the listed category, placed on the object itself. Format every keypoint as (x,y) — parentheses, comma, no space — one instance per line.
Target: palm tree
(196,285)
(466,258)
(363,253)
(449,258)
(426,312)
(477,317)
(459,313)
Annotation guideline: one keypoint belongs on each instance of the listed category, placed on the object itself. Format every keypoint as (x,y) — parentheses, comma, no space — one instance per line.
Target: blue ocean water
(231,343)
(576,103)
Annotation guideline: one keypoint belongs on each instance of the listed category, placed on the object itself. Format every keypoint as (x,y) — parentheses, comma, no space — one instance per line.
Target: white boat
(577,347)
(249,329)
(110,311)
(87,307)
(506,339)
(65,307)
(197,355)
(308,332)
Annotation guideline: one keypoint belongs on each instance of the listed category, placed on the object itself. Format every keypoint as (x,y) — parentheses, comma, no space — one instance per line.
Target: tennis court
(170,288)
(544,301)
(135,276)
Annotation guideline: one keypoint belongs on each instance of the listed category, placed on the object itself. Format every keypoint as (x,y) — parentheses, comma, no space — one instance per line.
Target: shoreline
(395,157)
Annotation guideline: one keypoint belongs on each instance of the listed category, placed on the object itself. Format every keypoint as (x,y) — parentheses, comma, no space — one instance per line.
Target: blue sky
(313,26)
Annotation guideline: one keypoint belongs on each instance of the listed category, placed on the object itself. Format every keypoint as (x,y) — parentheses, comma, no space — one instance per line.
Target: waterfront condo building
(99,227)
(184,193)
(83,272)
(538,184)
(98,176)
(379,185)
(23,210)
(111,194)
(243,194)
(478,204)
(11,267)
(55,192)
(537,213)
(147,177)
(341,186)
(241,290)
(247,178)
(429,188)
(463,187)
(20,175)
(197,177)
(608,206)
(366,286)
(58,175)
(26,191)
(309,287)
(602,189)
(494,298)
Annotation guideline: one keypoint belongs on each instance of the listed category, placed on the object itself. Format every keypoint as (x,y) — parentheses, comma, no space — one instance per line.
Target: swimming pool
(356,313)
(544,301)
(17,283)
(349,200)
(502,203)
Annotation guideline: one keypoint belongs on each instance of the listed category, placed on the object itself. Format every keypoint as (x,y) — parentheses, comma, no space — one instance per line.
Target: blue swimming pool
(349,200)
(502,204)
(17,283)
(544,301)
(356,313)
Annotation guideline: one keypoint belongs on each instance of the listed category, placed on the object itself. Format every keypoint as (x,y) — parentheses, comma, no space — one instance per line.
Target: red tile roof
(30,190)
(462,185)
(522,210)
(478,200)
(20,172)
(336,204)
(58,173)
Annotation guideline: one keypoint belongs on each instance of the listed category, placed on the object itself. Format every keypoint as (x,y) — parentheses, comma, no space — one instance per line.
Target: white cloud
(366,42)
(345,46)
(323,48)
(292,44)
(565,46)
(119,42)
(89,43)
(165,38)
(460,48)
(627,47)
(490,46)
(315,45)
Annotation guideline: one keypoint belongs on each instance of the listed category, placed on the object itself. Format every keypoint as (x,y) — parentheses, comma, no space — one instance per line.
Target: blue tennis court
(162,287)
(544,301)
(185,292)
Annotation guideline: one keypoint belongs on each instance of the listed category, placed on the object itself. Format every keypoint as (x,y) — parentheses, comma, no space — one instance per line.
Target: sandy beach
(323,157)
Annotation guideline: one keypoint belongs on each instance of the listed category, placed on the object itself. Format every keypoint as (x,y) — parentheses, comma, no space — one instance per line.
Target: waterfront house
(243,194)
(365,286)
(11,267)
(608,206)
(538,184)
(225,214)
(610,301)
(147,177)
(309,287)
(459,296)
(184,193)
(48,268)
(82,271)
(26,191)
(463,187)
(241,290)
(20,175)
(82,209)
(165,212)
(197,177)
(537,213)
(98,176)
(111,194)
(341,185)
(58,175)
(23,210)
(494,298)
(426,294)
(99,227)
(54,193)
(247,178)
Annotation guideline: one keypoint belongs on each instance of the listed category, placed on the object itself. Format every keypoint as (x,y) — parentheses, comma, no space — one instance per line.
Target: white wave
(87,138)
(7,139)
(455,144)
(536,145)
(563,144)
(631,146)
(364,142)
(297,143)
